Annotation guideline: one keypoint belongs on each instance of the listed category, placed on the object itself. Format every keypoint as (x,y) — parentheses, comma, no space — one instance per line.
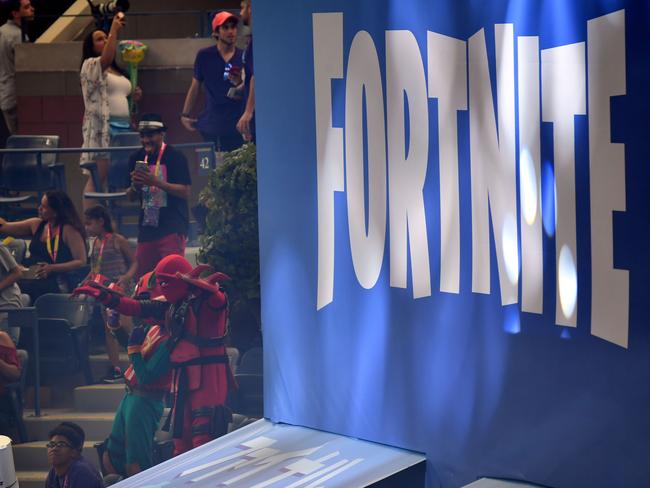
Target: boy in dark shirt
(69,468)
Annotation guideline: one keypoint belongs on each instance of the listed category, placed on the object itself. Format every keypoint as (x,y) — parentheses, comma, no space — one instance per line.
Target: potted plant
(230,241)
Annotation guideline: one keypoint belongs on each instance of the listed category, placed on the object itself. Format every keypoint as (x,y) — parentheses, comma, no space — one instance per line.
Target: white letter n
(493,164)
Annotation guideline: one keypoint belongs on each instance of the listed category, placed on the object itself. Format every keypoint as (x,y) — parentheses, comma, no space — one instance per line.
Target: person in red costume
(196,314)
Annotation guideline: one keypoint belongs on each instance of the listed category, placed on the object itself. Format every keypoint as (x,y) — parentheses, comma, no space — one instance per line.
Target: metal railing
(68,150)
(205,163)
(204,17)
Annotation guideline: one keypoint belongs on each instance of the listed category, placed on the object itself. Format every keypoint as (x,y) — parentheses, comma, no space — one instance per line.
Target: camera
(104,12)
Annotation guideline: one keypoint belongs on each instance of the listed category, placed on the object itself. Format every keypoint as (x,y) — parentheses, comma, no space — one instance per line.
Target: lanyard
(160,155)
(98,264)
(48,242)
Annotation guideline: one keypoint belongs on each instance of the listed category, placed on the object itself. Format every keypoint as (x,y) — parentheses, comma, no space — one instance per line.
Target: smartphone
(30,274)
(234,93)
(142,166)
(235,70)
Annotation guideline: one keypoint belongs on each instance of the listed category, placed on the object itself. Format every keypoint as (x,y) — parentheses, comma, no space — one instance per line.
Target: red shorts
(147,254)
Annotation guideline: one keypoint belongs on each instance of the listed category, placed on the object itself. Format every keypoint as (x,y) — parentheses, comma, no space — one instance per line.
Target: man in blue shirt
(69,468)
(218,69)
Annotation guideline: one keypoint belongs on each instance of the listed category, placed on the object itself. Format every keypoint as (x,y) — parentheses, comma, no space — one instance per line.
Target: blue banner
(453,231)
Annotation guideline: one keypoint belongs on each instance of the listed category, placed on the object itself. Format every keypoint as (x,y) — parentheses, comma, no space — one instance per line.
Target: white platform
(265,454)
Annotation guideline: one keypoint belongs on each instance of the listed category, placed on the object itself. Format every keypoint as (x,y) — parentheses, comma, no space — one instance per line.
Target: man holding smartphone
(161,181)
(219,70)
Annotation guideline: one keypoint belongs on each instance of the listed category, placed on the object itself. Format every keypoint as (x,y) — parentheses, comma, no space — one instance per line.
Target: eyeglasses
(57,445)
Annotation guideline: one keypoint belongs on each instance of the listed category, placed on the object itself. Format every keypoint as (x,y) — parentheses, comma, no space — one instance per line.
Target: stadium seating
(32,173)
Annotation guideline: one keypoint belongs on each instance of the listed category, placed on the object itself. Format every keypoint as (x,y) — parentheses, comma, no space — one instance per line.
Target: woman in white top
(105,90)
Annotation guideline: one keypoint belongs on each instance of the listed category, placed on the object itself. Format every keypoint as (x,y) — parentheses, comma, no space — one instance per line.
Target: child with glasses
(69,468)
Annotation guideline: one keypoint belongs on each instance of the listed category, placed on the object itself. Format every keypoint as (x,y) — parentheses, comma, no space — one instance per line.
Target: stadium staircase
(93,408)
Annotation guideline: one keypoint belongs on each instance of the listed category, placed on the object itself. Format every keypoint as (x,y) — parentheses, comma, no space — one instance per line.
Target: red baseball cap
(221,18)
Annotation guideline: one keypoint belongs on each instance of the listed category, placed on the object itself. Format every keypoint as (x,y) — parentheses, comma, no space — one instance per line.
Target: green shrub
(230,241)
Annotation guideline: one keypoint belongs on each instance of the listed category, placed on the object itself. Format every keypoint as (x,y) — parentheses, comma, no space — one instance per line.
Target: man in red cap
(218,68)
(195,313)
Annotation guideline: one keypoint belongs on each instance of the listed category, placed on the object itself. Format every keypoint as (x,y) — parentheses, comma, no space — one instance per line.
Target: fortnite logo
(398,159)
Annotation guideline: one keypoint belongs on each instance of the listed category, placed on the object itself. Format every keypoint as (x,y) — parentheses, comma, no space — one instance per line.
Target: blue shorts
(118,126)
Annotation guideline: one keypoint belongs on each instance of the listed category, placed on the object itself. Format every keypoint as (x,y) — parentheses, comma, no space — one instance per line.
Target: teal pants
(134,427)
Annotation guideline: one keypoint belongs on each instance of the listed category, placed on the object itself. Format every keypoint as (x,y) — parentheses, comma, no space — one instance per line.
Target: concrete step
(32,456)
(96,425)
(98,398)
(31,479)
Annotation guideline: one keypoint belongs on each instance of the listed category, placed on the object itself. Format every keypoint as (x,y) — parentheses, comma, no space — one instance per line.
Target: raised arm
(146,309)
(108,53)
(22,228)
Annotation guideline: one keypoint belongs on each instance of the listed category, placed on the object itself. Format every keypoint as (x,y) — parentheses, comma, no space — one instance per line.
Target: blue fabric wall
(483,389)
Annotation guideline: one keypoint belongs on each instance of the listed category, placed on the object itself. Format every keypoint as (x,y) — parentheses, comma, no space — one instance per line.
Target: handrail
(202,17)
(72,150)
(139,14)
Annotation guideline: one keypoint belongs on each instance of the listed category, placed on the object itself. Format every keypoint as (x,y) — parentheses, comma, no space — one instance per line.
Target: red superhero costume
(196,314)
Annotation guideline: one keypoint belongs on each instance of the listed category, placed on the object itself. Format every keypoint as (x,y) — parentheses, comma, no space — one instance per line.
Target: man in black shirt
(161,181)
